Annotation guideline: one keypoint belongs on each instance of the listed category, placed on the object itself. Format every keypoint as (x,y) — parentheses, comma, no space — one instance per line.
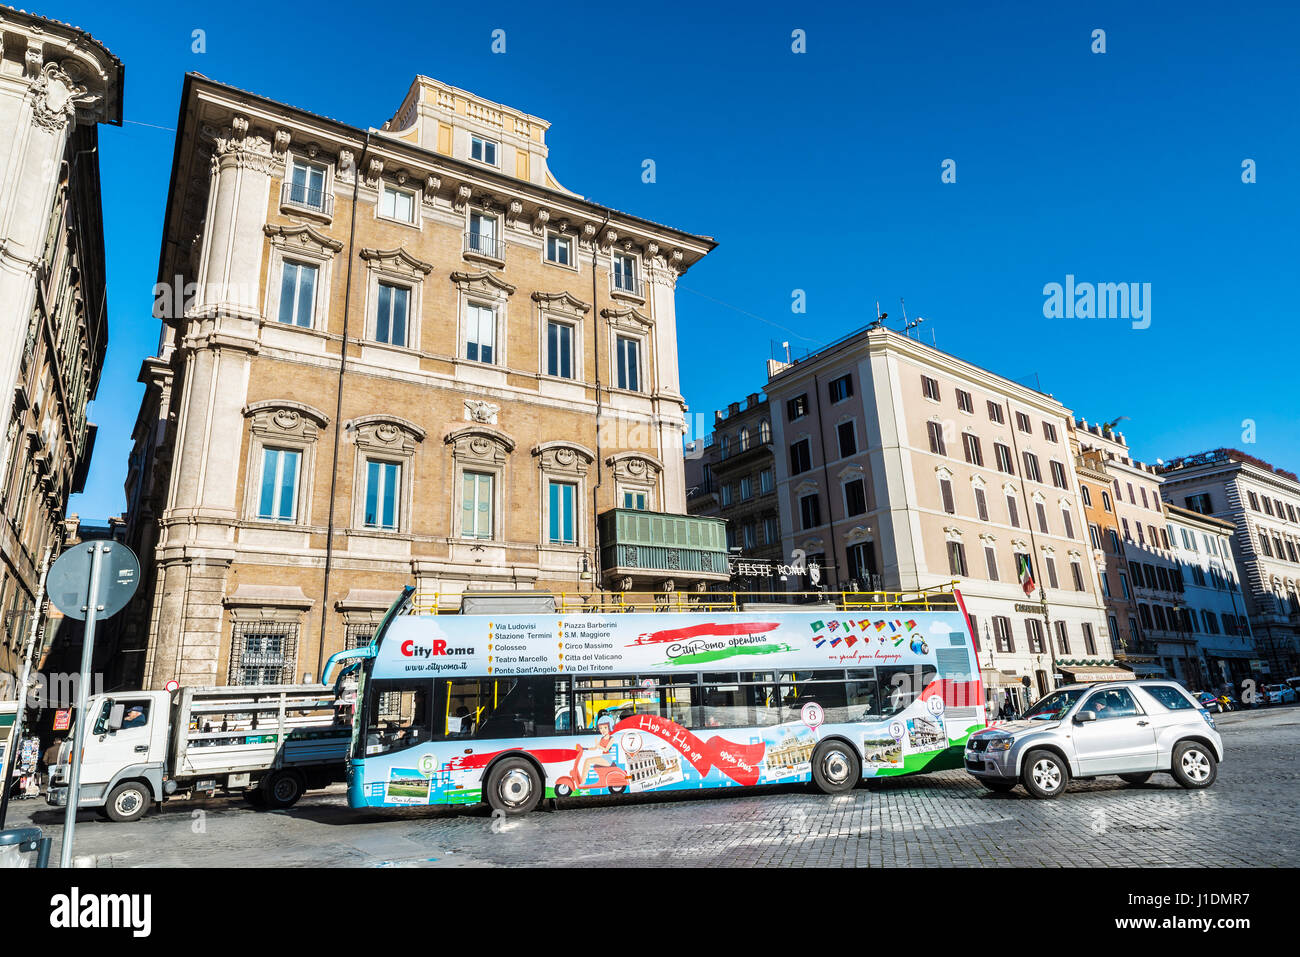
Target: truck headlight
(999,744)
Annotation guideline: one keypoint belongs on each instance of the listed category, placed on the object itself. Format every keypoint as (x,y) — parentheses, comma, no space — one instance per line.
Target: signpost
(90,581)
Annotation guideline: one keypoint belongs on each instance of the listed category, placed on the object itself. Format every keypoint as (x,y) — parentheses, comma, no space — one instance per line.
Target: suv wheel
(1194,765)
(1045,774)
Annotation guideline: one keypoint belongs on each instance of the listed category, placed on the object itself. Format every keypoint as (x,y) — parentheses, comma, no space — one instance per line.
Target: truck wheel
(513,787)
(835,767)
(1045,774)
(1194,765)
(128,801)
(281,789)
(1137,777)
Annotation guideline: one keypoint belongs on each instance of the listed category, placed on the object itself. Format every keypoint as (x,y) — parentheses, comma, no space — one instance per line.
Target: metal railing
(305,197)
(485,245)
(939,598)
(624,282)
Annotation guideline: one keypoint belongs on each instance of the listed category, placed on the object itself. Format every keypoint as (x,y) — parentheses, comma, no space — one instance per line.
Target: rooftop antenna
(908,326)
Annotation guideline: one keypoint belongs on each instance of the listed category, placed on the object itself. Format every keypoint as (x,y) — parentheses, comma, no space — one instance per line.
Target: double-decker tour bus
(692,692)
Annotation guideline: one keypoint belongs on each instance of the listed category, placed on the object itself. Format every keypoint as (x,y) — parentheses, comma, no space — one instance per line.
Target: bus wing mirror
(115,716)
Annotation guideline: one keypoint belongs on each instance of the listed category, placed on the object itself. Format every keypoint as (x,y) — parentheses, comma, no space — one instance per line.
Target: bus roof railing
(936,598)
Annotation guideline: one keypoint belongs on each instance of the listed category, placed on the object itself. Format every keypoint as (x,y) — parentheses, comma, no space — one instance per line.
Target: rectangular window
(765,483)
(1049,431)
(1058,474)
(724,493)
(637,500)
(1042,518)
(1031,467)
(848,439)
(945,492)
(935,432)
(1200,503)
(1062,639)
(263,653)
(563,498)
(1068,522)
(1268,506)
(862,565)
(995,413)
(629,364)
(810,511)
(841,388)
(957,559)
(1076,572)
(480,332)
(279,497)
(964,401)
(1050,565)
(1034,629)
(930,388)
(855,497)
(746,488)
(383,485)
(981,505)
(1094,535)
(297,293)
(800,457)
(1105,583)
(1023,423)
(559,250)
(796,408)
(397,204)
(1002,633)
(971,446)
(390,320)
(1123,585)
(1089,643)
(476,505)
(559,349)
(1003,455)
(1254,502)
(483,150)
(1013,515)
(483,235)
(991,561)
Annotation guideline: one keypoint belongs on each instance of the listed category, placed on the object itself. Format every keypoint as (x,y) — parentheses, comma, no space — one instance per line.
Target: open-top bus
(513,708)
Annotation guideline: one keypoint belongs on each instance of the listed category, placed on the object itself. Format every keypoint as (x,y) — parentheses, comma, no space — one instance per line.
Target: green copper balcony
(656,546)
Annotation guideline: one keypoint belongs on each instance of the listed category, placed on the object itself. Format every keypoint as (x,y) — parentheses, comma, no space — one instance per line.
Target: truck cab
(124,754)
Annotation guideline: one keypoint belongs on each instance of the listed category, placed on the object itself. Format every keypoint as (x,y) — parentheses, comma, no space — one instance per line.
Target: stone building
(897,460)
(1263,504)
(396,356)
(57,84)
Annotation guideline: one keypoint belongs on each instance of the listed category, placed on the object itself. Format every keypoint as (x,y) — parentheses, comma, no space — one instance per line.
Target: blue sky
(821,172)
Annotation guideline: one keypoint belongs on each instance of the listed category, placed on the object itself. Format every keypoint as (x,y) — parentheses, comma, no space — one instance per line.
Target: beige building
(899,463)
(396,356)
(57,83)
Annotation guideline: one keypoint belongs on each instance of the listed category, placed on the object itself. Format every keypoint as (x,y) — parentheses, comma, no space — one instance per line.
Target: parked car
(1278,694)
(1132,729)
(1294,684)
(1210,702)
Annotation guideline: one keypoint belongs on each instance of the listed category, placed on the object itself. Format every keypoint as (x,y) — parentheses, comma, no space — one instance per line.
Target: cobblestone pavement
(1250,817)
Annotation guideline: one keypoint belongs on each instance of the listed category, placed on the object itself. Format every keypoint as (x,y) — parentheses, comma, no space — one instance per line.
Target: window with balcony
(306,186)
(483,237)
(625,278)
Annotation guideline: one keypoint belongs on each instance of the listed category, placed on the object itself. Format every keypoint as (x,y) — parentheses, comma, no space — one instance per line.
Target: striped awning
(1087,674)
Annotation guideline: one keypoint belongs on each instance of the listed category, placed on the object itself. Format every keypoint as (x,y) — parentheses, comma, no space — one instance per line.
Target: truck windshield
(1054,706)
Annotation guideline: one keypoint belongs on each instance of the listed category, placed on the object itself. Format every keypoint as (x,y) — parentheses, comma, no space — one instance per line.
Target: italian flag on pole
(1026,576)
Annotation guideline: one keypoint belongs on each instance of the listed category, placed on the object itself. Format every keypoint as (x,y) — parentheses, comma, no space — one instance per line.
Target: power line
(745,312)
(153,126)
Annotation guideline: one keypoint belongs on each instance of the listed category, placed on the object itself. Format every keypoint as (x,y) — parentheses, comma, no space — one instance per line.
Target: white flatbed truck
(269,743)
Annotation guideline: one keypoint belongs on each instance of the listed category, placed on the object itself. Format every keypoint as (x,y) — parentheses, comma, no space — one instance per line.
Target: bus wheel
(514,786)
(281,789)
(835,767)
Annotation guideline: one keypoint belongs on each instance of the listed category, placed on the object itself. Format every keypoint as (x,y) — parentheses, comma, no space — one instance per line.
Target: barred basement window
(358,634)
(263,653)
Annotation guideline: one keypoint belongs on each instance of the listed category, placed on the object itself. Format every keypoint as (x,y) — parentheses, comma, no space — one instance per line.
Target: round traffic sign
(68,583)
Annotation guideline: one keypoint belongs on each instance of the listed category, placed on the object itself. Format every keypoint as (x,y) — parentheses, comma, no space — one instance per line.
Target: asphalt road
(1250,817)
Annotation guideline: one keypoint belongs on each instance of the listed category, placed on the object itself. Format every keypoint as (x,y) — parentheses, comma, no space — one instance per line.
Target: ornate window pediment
(563,457)
(850,472)
(285,419)
(302,237)
(482,283)
(1009,488)
(629,318)
(1039,498)
(806,487)
(386,433)
(858,534)
(397,261)
(562,303)
(635,466)
(978,482)
(952,533)
(480,443)
(988,539)
(943,472)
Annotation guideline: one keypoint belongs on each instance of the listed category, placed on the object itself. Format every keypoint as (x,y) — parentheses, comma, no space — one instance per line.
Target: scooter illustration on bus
(599,759)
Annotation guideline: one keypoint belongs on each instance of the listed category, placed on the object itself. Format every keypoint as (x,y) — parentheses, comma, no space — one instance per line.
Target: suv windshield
(1054,706)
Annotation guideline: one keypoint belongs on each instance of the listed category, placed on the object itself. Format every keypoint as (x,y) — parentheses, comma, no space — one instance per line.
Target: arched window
(765,432)
(744,439)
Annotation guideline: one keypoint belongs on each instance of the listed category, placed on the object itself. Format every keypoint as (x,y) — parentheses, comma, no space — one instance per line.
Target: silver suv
(1129,728)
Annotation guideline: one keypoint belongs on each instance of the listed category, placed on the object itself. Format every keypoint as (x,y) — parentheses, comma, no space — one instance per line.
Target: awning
(1001,679)
(1086,674)
(1141,670)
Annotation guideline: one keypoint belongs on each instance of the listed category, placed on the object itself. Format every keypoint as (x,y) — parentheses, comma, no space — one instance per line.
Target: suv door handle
(145,747)
(1141,724)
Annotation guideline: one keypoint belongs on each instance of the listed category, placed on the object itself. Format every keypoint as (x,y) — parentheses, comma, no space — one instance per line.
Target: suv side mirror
(115,717)
(1083,717)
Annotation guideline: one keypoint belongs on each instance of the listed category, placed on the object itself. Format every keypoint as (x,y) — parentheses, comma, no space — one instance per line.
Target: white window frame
(640,340)
(495,163)
(550,234)
(414,196)
(327,182)
(575,347)
(493,306)
(494,503)
(576,484)
(263,449)
(301,262)
(399,497)
(614,257)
